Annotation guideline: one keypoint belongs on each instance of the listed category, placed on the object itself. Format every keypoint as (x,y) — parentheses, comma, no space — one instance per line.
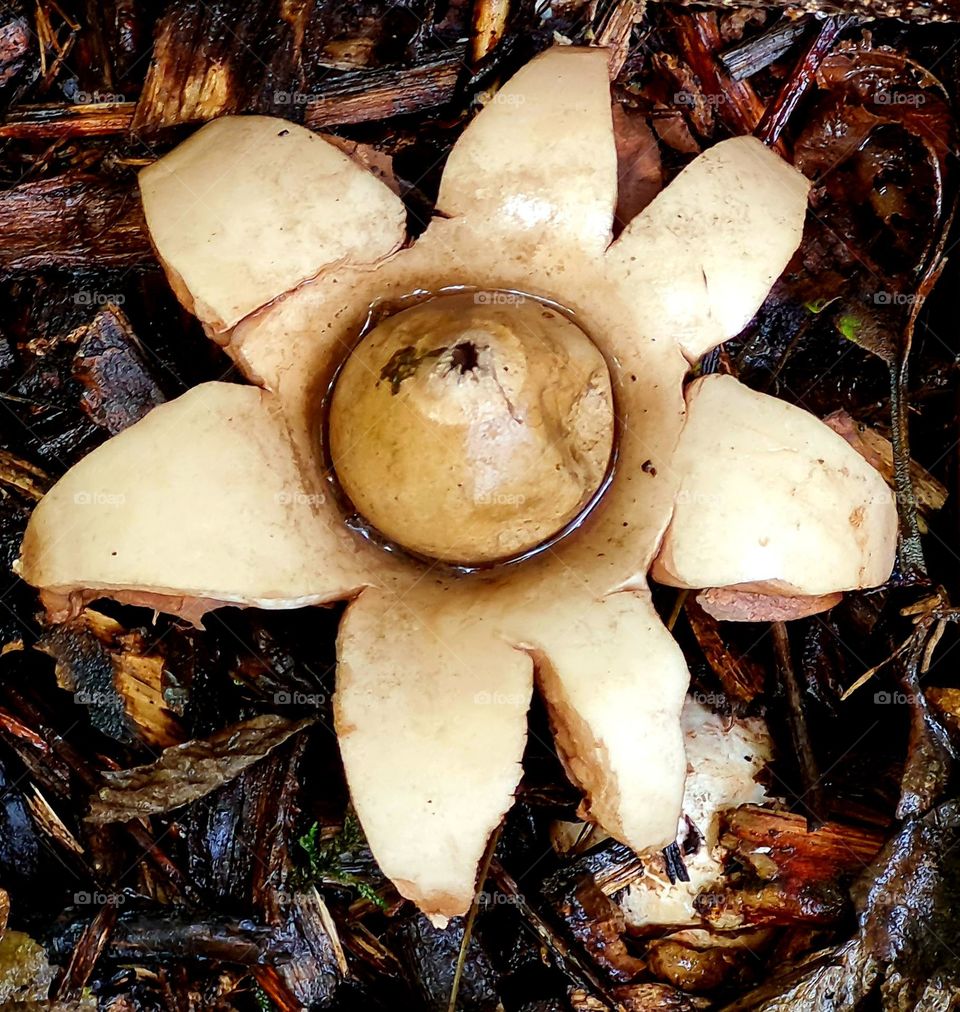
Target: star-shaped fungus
(478,440)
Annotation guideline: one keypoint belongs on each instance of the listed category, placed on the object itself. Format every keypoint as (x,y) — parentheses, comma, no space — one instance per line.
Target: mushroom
(280,496)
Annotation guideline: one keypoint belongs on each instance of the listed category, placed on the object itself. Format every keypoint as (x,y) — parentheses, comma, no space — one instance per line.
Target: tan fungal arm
(705,253)
(431,714)
(200,503)
(772,500)
(249,207)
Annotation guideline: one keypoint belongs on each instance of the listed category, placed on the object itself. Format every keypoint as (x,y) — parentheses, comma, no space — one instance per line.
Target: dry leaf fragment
(189,771)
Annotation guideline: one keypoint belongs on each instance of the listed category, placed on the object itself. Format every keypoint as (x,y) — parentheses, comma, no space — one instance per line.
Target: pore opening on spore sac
(464,357)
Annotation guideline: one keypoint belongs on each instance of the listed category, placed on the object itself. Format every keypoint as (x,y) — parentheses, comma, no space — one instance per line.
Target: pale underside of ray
(540,159)
(614,682)
(709,247)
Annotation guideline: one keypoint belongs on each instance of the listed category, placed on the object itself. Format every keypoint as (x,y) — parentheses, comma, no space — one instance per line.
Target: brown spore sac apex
(472,427)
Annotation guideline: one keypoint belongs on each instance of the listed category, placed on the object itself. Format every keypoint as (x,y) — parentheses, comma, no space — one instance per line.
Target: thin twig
(566,960)
(799,732)
(798,83)
(678,604)
(471,919)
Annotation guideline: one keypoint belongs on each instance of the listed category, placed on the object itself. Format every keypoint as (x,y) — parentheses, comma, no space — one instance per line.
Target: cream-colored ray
(430,713)
(614,682)
(702,257)
(202,502)
(251,206)
(540,158)
(772,499)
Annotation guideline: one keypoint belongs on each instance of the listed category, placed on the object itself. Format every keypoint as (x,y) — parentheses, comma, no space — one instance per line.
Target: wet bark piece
(237,838)
(779,844)
(776,903)
(579,895)
(381,94)
(211,59)
(747,57)
(110,363)
(598,924)
(314,971)
(113,674)
(71,220)
(429,955)
(741,677)
(58,122)
(20,844)
(258,56)
(189,771)
(177,936)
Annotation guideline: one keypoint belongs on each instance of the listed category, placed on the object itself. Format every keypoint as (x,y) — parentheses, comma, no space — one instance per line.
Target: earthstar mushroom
(283,247)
